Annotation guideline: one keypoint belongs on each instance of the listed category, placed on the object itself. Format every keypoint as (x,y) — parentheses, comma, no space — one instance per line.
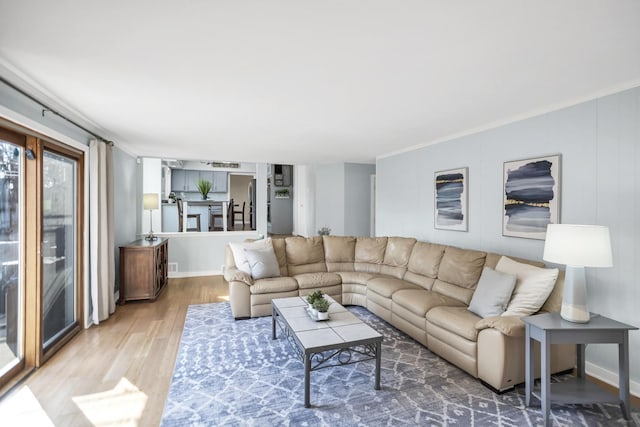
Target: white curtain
(101,256)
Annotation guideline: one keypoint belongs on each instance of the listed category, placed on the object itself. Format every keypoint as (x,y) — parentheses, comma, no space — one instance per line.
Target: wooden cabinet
(143,269)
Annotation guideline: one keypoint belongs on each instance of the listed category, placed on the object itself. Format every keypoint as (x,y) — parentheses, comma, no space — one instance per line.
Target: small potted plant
(313,297)
(324,231)
(322,305)
(204,187)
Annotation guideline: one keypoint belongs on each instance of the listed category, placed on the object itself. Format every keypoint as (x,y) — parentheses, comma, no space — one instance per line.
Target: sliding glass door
(41,264)
(11,260)
(59,252)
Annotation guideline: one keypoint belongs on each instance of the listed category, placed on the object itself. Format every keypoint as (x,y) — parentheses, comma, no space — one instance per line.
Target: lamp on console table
(150,202)
(577,246)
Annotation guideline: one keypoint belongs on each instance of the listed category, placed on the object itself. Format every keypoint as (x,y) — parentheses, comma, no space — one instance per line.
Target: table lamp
(577,246)
(150,202)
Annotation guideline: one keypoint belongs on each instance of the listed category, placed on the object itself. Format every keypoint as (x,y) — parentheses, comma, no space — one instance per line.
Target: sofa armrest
(235,275)
(509,325)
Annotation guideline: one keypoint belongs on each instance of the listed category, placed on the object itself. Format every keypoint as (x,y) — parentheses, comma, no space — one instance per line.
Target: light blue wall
(330,197)
(357,198)
(600,146)
(125,202)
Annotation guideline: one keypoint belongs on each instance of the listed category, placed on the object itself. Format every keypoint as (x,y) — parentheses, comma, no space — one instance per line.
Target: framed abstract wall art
(451,210)
(531,196)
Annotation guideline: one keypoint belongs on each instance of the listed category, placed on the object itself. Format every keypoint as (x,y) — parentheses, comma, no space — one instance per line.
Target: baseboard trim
(610,380)
(181,274)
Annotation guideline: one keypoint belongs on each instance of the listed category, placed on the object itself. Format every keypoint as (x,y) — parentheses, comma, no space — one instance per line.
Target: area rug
(231,372)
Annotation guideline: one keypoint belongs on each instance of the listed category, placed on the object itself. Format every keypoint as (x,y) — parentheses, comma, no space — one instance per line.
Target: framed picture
(531,196)
(450,207)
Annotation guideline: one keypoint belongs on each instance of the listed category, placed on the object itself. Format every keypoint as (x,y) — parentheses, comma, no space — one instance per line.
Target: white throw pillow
(533,287)
(263,263)
(239,256)
(492,293)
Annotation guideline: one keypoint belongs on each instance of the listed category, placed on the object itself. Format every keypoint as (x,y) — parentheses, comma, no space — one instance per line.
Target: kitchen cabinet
(187,180)
(143,269)
(219,182)
(184,180)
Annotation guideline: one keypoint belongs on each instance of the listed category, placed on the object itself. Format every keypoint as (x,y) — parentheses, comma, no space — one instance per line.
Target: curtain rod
(46,108)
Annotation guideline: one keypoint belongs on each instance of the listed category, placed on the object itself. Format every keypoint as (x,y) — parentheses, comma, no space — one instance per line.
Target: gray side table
(550,328)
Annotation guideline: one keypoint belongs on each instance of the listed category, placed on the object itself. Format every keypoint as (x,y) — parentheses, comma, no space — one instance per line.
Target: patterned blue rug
(232,373)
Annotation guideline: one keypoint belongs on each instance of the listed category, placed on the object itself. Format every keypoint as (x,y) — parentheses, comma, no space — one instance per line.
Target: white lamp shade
(578,245)
(150,200)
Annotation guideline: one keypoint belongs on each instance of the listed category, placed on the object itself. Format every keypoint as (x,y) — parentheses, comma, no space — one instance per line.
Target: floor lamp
(577,246)
(150,202)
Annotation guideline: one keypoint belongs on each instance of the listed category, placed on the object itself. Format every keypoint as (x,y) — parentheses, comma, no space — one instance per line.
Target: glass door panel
(59,252)
(11,177)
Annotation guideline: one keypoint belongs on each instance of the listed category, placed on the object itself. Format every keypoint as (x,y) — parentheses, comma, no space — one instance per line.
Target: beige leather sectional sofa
(421,288)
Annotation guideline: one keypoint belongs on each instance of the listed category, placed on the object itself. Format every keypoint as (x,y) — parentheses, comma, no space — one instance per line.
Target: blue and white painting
(451,199)
(531,196)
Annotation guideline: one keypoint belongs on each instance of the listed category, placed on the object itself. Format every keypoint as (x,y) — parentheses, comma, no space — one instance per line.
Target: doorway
(241,191)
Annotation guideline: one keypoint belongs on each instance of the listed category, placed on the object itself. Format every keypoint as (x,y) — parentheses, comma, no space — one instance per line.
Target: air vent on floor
(173,267)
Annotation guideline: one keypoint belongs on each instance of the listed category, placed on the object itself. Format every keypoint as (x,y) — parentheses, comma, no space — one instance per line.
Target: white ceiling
(314,81)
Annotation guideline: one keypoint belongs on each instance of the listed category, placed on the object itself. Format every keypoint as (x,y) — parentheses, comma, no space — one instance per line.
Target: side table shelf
(143,269)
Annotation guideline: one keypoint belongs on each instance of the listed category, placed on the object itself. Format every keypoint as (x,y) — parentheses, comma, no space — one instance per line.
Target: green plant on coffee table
(322,305)
(314,296)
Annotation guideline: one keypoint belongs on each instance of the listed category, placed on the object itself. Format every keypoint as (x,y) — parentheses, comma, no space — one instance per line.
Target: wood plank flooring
(118,373)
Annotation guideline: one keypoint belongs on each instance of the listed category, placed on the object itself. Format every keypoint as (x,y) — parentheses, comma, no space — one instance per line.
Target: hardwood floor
(116,373)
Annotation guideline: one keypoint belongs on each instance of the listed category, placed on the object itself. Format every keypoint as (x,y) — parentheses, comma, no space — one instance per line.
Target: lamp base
(151,237)
(574,296)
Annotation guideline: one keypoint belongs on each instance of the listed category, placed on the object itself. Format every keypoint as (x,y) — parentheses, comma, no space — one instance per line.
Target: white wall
(600,146)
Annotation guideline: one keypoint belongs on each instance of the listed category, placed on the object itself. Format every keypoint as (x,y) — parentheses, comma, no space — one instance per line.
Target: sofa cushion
(457,320)
(533,287)
(461,267)
(281,255)
(274,285)
(420,301)
(356,277)
(339,252)
(317,280)
(240,257)
(425,259)
(396,256)
(386,286)
(492,293)
(370,250)
(263,263)
(305,255)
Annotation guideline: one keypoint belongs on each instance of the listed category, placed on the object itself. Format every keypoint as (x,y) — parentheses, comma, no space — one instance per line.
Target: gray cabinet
(282,175)
(219,182)
(187,180)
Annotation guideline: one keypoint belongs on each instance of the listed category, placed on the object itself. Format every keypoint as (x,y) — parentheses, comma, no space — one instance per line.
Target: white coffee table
(343,339)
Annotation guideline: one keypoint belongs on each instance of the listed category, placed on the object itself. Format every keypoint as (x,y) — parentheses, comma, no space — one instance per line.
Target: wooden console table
(550,328)
(143,269)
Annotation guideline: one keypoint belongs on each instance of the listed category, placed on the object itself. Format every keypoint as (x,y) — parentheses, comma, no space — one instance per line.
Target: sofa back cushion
(305,255)
(459,273)
(281,255)
(396,256)
(370,254)
(339,252)
(423,264)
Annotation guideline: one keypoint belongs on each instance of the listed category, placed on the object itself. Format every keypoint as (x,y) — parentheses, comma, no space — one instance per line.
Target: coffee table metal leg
(378,357)
(273,323)
(307,380)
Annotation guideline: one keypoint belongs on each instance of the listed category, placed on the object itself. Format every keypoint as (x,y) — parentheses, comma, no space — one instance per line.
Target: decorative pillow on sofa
(533,287)
(492,293)
(238,252)
(263,263)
